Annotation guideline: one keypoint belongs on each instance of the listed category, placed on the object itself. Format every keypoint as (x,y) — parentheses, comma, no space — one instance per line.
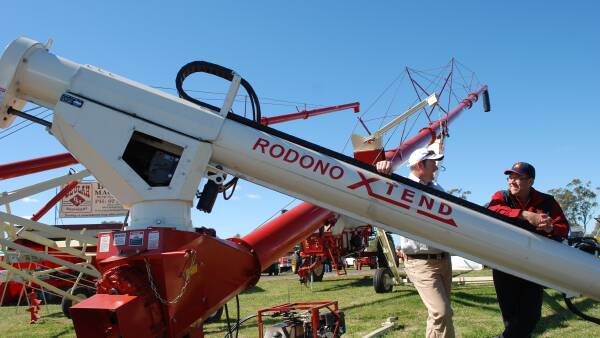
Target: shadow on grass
(561,314)
(60,334)
(57,314)
(365,281)
(394,296)
(254,289)
(484,302)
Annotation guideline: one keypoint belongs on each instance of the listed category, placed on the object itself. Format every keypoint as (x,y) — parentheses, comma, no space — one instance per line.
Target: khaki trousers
(433,280)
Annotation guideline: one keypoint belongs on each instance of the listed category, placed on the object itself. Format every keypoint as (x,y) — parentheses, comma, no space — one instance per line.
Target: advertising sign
(90,199)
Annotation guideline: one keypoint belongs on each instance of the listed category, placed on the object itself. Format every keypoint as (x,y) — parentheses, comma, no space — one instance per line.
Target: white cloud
(29,200)
(253,196)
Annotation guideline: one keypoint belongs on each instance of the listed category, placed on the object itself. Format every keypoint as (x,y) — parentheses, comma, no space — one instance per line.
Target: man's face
(428,169)
(519,184)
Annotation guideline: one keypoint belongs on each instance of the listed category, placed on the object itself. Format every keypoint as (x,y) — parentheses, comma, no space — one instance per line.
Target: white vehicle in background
(285,262)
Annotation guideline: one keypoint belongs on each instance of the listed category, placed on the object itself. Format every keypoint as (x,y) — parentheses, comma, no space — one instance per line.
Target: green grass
(476,313)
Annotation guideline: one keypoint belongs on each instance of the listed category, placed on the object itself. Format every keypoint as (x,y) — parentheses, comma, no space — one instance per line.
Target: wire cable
(578,312)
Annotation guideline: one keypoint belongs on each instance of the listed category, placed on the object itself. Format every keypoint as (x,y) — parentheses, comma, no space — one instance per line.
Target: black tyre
(215,317)
(317,273)
(46,297)
(383,281)
(296,262)
(80,291)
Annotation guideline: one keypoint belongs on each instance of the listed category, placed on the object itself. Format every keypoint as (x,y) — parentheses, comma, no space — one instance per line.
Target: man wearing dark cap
(520,300)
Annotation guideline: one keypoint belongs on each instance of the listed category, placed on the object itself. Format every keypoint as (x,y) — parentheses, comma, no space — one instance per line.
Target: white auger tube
(84,98)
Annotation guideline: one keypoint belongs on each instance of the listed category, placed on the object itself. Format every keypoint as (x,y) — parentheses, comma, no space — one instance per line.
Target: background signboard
(90,199)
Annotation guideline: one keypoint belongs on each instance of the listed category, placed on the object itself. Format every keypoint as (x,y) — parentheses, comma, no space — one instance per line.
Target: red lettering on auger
(425,205)
(304,161)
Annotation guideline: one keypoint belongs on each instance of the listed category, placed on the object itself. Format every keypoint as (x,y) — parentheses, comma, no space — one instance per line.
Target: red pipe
(35,165)
(54,200)
(308,113)
(275,238)
(427,135)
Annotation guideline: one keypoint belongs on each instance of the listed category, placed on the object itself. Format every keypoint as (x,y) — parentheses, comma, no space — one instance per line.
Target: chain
(177,298)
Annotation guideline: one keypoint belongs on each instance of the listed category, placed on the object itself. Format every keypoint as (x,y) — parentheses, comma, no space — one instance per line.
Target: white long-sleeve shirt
(412,247)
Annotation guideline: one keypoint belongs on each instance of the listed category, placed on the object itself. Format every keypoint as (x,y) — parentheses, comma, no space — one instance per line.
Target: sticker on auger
(136,238)
(119,238)
(68,99)
(104,243)
(153,239)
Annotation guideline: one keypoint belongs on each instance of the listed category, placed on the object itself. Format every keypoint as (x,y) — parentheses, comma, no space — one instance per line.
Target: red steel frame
(313,307)
(54,200)
(428,134)
(326,244)
(22,168)
(308,113)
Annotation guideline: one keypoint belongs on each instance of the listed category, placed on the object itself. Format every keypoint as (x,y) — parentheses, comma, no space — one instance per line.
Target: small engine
(330,324)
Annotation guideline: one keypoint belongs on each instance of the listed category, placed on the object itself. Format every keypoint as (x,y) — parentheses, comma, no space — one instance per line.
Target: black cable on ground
(228,321)
(237,324)
(240,324)
(580,314)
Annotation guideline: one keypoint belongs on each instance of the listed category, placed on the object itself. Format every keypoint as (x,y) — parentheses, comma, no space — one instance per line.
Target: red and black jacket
(505,204)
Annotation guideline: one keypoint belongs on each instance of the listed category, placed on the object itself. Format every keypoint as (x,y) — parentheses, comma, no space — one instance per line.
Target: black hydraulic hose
(576,311)
(220,71)
(237,324)
(228,321)
(241,322)
(229,185)
(31,118)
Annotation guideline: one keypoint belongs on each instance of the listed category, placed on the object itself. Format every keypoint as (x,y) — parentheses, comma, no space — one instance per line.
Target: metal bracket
(231,94)
(429,101)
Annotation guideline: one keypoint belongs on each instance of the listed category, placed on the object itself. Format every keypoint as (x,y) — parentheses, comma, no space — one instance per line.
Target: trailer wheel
(215,317)
(296,262)
(383,281)
(318,272)
(80,291)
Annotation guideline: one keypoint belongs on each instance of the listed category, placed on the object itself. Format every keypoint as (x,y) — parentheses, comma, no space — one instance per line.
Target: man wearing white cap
(428,268)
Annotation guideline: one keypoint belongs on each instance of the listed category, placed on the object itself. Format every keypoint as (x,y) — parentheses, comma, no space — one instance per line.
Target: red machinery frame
(312,307)
(10,290)
(324,245)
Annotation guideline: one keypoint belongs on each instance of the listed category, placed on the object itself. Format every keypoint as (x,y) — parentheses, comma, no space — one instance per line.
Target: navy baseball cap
(521,168)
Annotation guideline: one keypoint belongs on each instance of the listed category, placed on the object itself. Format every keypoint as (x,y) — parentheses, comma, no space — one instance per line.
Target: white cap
(422,154)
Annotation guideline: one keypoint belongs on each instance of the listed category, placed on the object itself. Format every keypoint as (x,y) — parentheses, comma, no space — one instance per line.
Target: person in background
(428,268)
(520,300)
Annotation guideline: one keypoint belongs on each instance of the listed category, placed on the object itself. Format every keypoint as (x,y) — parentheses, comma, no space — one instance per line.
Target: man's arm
(384,167)
(559,221)
(499,205)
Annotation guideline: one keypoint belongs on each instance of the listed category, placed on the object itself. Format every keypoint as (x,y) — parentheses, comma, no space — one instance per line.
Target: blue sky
(540,60)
